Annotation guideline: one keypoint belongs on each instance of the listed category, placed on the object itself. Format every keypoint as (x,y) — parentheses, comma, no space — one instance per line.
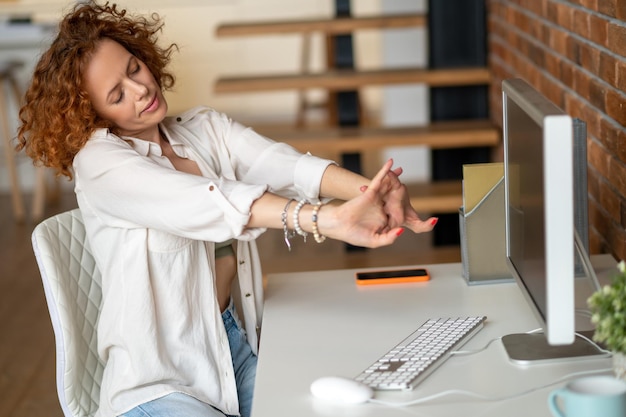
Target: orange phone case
(392,276)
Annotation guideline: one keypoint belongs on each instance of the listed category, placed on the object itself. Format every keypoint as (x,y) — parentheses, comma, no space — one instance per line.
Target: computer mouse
(341,390)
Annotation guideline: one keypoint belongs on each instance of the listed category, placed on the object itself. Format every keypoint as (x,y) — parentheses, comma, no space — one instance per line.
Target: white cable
(538,330)
(484,397)
(582,336)
(471,352)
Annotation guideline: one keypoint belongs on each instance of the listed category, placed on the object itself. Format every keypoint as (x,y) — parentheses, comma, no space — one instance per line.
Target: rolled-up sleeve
(260,160)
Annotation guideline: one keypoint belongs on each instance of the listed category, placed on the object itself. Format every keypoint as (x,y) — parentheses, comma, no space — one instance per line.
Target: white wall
(203,58)
(406,105)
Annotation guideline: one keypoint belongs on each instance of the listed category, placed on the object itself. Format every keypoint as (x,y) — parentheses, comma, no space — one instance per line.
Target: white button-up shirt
(152,231)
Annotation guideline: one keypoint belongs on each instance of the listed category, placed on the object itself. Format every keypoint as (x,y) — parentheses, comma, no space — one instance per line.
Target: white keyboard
(408,363)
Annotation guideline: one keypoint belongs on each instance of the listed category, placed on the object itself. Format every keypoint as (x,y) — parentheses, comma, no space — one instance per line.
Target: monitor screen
(542,247)
(539,201)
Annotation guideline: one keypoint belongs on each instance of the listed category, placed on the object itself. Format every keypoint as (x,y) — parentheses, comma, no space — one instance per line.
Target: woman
(172,206)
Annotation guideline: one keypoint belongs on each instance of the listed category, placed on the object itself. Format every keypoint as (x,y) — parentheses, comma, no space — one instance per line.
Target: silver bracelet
(287,233)
(296,220)
(316,233)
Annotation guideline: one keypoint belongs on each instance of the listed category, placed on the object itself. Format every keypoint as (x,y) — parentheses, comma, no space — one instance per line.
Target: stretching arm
(361,220)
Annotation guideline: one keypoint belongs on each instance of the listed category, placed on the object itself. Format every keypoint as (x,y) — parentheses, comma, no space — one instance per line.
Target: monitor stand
(533,348)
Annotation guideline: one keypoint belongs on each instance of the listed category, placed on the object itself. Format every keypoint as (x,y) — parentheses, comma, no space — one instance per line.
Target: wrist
(306,219)
(326,219)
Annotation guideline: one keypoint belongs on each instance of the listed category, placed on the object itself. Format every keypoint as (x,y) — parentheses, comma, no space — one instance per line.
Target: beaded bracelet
(283,218)
(296,220)
(316,233)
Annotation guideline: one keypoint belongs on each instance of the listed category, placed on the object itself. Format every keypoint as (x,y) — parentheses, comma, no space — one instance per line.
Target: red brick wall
(574,52)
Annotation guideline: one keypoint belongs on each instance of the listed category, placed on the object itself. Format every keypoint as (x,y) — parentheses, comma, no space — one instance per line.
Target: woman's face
(123,91)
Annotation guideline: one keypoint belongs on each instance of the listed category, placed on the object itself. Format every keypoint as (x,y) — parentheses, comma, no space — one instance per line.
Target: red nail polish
(434,221)
(399,232)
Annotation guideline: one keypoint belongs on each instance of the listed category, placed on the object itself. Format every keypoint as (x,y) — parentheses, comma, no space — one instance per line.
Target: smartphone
(392,276)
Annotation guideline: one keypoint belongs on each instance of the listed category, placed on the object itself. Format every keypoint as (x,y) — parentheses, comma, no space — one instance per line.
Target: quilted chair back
(72,284)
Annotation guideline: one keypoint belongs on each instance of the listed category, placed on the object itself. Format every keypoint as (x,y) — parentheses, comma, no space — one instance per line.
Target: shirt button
(179,119)
(211,188)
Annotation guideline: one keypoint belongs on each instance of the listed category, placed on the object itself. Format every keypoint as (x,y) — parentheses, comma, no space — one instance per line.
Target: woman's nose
(139,89)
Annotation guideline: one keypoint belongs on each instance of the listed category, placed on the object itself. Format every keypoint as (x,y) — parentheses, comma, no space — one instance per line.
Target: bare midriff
(225,272)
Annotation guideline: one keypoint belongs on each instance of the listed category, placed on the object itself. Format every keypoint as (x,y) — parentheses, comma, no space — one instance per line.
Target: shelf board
(438,135)
(336,80)
(436,197)
(329,26)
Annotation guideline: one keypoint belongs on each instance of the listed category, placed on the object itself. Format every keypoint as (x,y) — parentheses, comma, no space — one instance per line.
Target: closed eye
(120,98)
(135,69)
(131,71)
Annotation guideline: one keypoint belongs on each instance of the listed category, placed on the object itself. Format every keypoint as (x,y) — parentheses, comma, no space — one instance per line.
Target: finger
(395,214)
(386,238)
(393,174)
(421,226)
(377,181)
(391,179)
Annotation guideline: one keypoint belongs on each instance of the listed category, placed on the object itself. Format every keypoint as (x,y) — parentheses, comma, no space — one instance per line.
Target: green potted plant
(608,308)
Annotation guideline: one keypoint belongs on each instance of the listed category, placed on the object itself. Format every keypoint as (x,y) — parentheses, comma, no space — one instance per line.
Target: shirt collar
(142,147)
(146,147)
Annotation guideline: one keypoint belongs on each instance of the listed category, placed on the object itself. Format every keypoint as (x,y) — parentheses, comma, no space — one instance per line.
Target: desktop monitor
(540,237)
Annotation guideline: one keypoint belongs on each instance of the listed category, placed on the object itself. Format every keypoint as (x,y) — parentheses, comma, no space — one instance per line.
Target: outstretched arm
(361,220)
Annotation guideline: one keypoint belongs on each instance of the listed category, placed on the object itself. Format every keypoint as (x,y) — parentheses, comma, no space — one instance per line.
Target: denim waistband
(229,316)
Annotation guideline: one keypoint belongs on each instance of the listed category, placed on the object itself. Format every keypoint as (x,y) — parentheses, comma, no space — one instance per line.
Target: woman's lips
(152,106)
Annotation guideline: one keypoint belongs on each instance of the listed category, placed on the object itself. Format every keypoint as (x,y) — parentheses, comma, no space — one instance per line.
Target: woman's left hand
(362,221)
(397,204)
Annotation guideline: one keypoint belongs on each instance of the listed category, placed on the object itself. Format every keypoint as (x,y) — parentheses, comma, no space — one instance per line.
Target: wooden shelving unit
(436,197)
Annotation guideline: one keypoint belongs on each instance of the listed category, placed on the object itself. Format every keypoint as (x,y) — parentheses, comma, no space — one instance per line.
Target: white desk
(320,323)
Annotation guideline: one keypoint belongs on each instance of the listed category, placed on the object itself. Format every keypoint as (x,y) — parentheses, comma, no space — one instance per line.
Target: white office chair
(72,284)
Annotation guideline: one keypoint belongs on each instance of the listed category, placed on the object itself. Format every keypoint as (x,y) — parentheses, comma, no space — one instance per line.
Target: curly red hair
(57,118)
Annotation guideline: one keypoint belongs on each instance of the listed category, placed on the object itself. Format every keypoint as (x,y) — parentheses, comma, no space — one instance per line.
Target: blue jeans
(244,363)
